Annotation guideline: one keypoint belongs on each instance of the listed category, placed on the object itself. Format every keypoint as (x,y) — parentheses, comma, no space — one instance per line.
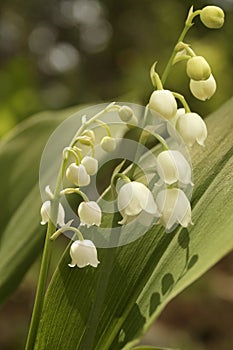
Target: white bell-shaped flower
(133,198)
(192,128)
(77,174)
(172,123)
(45,213)
(174,207)
(204,89)
(172,167)
(89,213)
(108,144)
(91,165)
(164,103)
(83,253)
(180,111)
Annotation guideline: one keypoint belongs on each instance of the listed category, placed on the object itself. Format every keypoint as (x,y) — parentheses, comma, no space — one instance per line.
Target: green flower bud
(90,134)
(212,17)
(85,140)
(125,113)
(198,68)
(108,144)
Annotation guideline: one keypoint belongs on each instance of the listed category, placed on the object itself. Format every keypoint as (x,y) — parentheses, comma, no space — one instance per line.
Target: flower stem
(45,263)
(71,151)
(182,100)
(42,282)
(169,64)
(188,25)
(160,139)
(105,126)
(108,108)
(72,190)
(46,257)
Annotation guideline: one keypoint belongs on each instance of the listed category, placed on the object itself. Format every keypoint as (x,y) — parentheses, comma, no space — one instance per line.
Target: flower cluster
(78,173)
(202,83)
(173,204)
(190,126)
(167,202)
(170,205)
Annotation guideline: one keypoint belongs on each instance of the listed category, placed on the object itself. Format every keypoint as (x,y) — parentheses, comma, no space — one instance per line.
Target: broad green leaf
(111,307)
(21,237)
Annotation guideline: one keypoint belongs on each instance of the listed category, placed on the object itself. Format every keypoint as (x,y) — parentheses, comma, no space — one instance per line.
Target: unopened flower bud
(133,198)
(125,113)
(108,144)
(192,128)
(85,140)
(203,90)
(174,207)
(83,253)
(173,167)
(164,103)
(212,17)
(90,134)
(89,213)
(78,175)
(198,68)
(45,213)
(91,165)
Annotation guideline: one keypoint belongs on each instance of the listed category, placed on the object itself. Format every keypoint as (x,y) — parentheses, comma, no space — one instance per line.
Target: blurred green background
(55,54)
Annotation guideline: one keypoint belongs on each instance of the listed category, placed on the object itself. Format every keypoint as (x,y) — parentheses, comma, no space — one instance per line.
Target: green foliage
(21,235)
(118,67)
(112,306)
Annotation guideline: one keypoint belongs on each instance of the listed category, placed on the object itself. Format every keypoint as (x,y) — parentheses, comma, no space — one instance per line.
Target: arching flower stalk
(170,204)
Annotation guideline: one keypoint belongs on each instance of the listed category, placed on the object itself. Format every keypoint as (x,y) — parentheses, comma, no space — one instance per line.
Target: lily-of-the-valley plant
(170,205)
